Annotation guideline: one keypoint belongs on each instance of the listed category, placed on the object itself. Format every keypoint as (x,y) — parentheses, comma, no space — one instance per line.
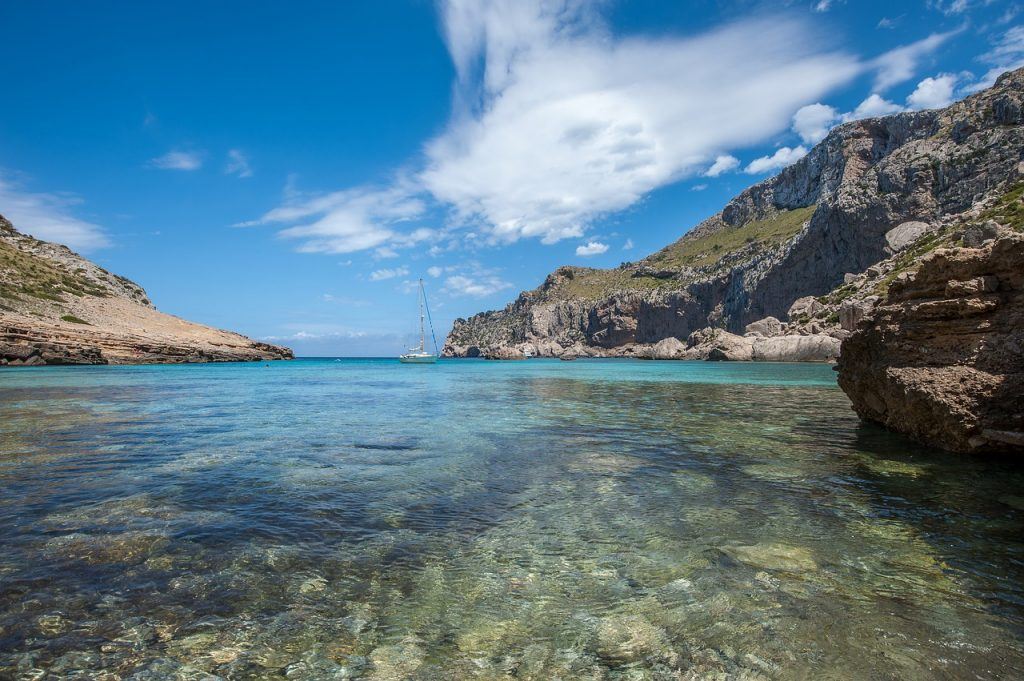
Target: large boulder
(904,234)
(851,312)
(767,327)
(942,357)
(728,347)
(810,348)
(807,306)
(666,348)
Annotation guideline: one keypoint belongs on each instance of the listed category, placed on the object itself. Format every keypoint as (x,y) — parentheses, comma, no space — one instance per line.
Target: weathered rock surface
(901,236)
(56,307)
(810,348)
(817,227)
(941,358)
(767,327)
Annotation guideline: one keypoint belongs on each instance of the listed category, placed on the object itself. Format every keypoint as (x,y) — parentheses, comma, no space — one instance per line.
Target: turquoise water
(326,519)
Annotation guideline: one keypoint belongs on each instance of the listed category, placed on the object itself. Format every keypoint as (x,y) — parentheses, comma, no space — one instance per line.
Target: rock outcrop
(56,307)
(941,358)
(818,231)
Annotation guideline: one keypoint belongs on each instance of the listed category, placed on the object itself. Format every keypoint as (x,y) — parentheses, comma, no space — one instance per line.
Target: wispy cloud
(237,164)
(178,160)
(347,221)
(474,286)
(383,274)
(609,119)
(47,216)
(591,248)
(1006,54)
(901,64)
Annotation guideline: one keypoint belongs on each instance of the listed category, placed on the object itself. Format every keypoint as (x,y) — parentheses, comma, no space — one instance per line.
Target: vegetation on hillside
(710,248)
(22,274)
(689,252)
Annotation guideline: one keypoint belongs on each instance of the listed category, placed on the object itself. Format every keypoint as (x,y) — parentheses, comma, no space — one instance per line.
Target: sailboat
(419,355)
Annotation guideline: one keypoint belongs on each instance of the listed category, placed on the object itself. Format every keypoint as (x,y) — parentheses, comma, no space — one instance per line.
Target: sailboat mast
(423,346)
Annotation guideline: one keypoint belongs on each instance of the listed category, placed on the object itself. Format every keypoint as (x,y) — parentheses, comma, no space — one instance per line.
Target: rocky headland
(894,247)
(788,269)
(56,307)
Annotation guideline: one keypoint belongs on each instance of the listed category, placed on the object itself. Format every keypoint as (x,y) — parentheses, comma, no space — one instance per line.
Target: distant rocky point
(56,307)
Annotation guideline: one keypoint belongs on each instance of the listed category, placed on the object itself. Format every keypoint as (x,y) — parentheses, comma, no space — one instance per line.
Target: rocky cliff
(798,247)
(56,307)
(941,357)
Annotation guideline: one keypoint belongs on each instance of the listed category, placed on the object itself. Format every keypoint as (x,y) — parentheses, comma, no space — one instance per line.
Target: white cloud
(628,246)
(723,164)
(238,164)
(698,187)
(47,216)
(435,271)
(823,5)
(872,107)
(346,221)
(591,248)
(178,160)
(383,274)
(783,157)
(609,119)
(1006,55)
(901,64)
(812,122)
(933,93)
(474,286)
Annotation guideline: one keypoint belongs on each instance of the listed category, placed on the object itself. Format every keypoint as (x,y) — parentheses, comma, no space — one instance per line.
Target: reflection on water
(538,520)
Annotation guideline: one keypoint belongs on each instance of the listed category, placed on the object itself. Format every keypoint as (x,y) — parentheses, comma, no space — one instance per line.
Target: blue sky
(287,170)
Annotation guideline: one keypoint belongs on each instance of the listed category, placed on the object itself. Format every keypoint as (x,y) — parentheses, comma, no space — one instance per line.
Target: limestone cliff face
(941,358)
(56,307)
(795,235)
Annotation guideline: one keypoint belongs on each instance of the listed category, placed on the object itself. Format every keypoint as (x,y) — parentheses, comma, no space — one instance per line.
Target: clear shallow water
(588,520)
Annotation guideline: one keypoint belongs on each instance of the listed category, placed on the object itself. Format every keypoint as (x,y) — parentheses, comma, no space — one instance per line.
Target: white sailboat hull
(417,359)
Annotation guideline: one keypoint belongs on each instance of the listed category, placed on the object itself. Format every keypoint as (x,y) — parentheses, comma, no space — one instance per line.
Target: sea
(597,519)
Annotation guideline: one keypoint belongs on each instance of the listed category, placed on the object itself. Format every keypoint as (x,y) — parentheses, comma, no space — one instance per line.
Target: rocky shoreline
(56,307)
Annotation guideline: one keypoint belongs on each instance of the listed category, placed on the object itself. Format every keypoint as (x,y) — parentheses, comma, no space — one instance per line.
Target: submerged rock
(773,556)
(395,662)
(627,638)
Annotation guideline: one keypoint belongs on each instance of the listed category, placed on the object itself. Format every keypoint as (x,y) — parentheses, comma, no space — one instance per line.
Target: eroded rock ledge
(941,358)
